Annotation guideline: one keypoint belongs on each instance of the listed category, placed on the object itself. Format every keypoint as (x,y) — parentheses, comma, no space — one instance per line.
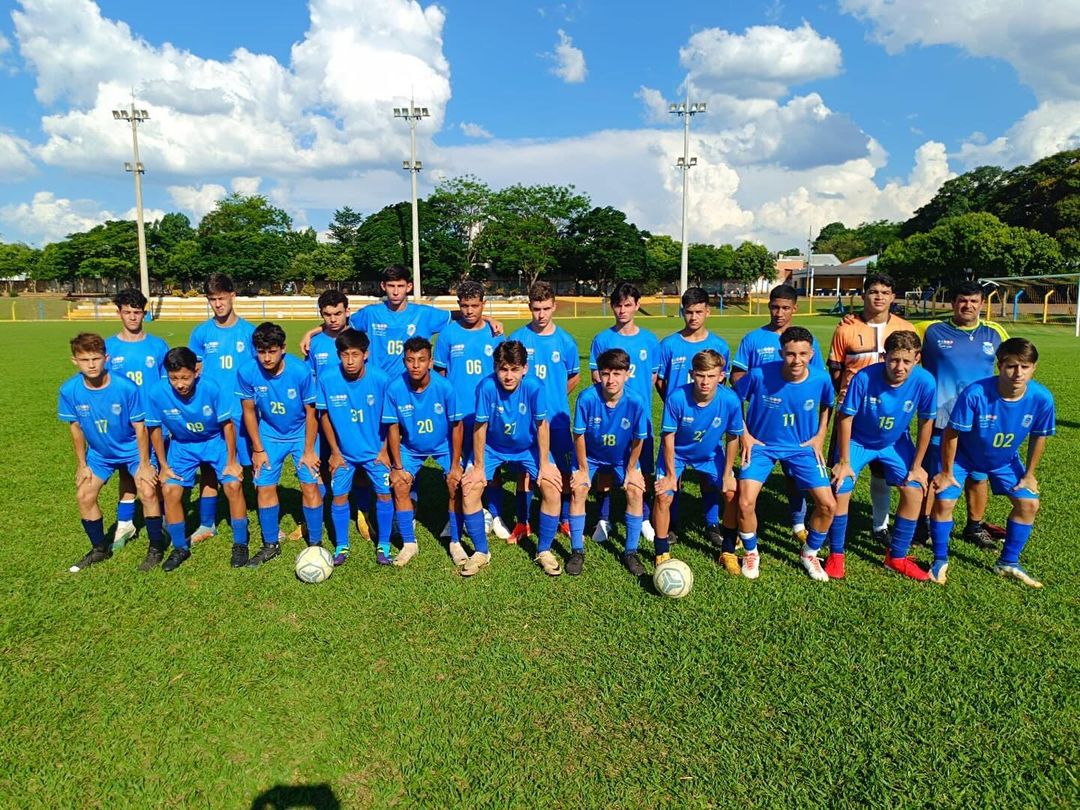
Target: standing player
(222,345)
(136,355)
(277,394)
(511,428)
(677,350)
(423,421)
(872,426)
(610,427)
(463,354)
(787,418)
(957,352)
(350,399)
(762,345)
(108,433)
(197,413)
(322,348)
(553,360)
(643,349)
(858,342)
(989,422)
(697,416)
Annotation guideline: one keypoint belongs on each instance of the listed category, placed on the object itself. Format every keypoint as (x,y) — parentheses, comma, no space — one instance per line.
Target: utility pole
(136,117)
(412,114)
(686,111)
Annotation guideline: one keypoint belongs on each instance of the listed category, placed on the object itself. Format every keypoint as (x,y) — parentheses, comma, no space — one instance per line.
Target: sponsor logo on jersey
(596,420)
(909,406)
(337,400)
(82,408)
(210,347)
(262,389)
(406,408)
(643,354)
(716,421)
(944,343)
(118,361)
(489,350)
(240,347)
(410,330)
(688,419)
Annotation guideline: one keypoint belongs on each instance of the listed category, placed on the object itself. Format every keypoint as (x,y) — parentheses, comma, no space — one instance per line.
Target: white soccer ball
(673,578)
(314,564)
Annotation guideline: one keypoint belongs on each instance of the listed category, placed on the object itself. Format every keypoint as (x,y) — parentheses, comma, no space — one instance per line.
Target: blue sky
(843,109)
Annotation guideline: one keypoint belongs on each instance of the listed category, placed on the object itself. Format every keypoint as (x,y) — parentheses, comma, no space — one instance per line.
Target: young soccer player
(787,418)
(610,428)
(643,349)
(424,421)
(988,423)
(677,351)
(136,355)
(222,344)
(553,360)
(322,348)
(697,417)
(108,433)
(511,428)
(277,394)
(872,426)
(197,413)
(350,398)
(858,342)
(463,354)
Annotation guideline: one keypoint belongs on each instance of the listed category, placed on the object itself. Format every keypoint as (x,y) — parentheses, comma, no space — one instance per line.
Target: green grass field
(213,687)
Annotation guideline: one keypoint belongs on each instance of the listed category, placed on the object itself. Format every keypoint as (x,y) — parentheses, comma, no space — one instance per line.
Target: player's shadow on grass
(280,797)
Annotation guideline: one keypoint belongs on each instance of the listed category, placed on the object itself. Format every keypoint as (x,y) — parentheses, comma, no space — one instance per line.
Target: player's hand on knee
(579,478)
(260,459)
(550,473)
(729,486)
(747,443)
(666,485)
(400,478)
(944,480)
(1029,483)
(634,479)
(841,472)
(236,471)
(83,475)
(145,476)
(917,475)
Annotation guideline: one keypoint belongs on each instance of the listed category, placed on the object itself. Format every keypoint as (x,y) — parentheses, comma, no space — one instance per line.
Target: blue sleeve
(435,319)
(224,406)
(819,358)
(573,362)
(594,352)
(320,396)
(927,404)
(389,412)
(1045,418)
(442,353)
(741,360)
(662,356)
(735,425)
(581,416)
(196,343)
(483,403)
(358,320)
(536,401)
(153,414)
(670,423)
(855,392)
(453,404)
(307,386)
(65,408)
(744,387)
(244,388)
(136,408)
(962,417)
(159,358)
(641,423)
(654,358)
(828,393)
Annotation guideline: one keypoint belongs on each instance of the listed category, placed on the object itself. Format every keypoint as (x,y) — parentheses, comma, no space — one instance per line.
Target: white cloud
(15,160)
(199,200)
(569,61)
(5,46)
(48,218)
(474,130)
(1053,126)
(247,186)
(656,106)
(763,62)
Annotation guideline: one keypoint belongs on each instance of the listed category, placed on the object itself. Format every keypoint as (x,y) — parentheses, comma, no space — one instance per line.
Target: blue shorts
(243,444)
(596,468)
(103,468)
(799,464)
(185,457)
(648,453)
(525,461)
(277,452)
(562,441)
(412,462)
(468,425)
(708,470)
(377,472)
(932,459)
(1002,479)
(895,459)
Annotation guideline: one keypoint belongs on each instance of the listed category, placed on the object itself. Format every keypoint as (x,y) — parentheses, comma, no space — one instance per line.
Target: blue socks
(177,536)
(577,532)
(729,536)
(710,500)
(339,516)
(564,508)
(240,531)
(474,525)
(404,521)
(549,525)
(384,515)
(816,539)
(268,523)
(208,510)
(749,540)
(838,534)
(1016,537)
(661,546)
(493,494)
(455,524)
(125,511)
(939,536)
(524,506)
(313,518)
(633,532)
(797,505)
(604,505)
(902,534)
(95,530)
(154,533)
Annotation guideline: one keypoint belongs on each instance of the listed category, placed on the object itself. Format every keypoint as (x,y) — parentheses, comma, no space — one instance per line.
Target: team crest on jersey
(370,399)
(117,408)
(291,393)
(1027,420)
(909,406)
(988,348)
(716,421)
(522,407)
(438,408)
(207,410)
(644,354)
(625,423)
(555,357)
(239,346)
(489,350)
(150,362)
(410,330)
(808,405)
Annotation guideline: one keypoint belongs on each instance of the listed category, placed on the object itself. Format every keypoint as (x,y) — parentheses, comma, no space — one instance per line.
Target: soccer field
(215,687)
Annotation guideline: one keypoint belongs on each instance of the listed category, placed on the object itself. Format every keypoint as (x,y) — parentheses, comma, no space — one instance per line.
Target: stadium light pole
(686,111)
(413,114)
(135,117)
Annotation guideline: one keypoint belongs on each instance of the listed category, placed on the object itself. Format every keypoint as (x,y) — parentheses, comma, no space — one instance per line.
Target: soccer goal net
(1042,299)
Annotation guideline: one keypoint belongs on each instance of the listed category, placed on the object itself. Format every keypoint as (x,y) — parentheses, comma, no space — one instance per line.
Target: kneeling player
(278,397)
(610,427)
(198,415)
(108,433)
(988,423)
(787,418)
(424,422)
(872,425)
(511,428)
(696,418)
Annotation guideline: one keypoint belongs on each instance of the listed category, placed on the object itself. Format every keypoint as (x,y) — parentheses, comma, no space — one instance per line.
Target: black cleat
(714,536)
(153,559)
(239,555)
(922,532)
(574,563)
(672,538)
(266,553)
(176,559)
(633,563)
(881,536)
(977,535)
(92,557)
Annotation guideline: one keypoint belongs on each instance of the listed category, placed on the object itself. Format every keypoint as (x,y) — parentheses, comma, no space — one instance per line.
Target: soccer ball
(673,578)
(314,564)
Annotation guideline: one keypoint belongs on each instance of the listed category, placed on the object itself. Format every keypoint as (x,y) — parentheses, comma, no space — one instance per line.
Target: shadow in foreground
(279,797)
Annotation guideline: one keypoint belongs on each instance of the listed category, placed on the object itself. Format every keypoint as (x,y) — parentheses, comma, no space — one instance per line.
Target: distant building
(831,276)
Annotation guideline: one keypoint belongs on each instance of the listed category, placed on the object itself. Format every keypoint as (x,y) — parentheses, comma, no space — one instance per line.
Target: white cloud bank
(569,61)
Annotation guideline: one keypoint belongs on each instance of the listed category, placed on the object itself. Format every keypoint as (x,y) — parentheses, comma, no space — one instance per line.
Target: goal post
(1047,299)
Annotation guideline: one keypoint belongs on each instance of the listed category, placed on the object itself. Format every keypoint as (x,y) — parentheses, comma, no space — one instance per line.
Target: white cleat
(1017,573)
(408,551)
(125,532)
(812,564)
(458,554)
(487,521)
(750,565)
(473,565)
(601,532)
(498,528)
(648,533)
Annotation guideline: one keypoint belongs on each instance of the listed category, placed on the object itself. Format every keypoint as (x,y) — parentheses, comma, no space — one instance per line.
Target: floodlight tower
(413,114)
(135,117)
(686,111)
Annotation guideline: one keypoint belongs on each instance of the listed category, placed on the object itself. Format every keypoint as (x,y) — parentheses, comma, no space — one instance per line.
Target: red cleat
(834,566)
(564,528)
(995,531)
(520,532)
(908,567)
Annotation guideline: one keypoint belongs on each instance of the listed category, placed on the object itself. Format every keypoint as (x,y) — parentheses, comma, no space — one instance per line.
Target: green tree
(247,238)
(751,262)
(868,239)
(705,263)
(791,252)
(1044,196)
(461,205)
(662,259)
(968,193)
(17,259)
(604,248)
(385,238)
(344,226)
(324,261)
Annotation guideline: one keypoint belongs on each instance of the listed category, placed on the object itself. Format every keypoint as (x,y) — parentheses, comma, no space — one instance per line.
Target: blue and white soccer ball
(673,578)
(314,565)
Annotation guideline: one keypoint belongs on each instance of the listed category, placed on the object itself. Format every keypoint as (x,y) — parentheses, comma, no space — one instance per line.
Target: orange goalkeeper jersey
(859,344)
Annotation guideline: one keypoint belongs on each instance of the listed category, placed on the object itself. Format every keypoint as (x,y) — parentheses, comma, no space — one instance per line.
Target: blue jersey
(466,357)
(553,359)
(280,401)
(105,415)
(322,351)
(425,417)
(138,360)
(608,431)
(511,416)
(956,357)
(780,413)
(355,409)
(198,417)
(699,429)
(992,429)
(644,351)
(762,345)
(388,330)
(222,351)
(883,412)
(677,354)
